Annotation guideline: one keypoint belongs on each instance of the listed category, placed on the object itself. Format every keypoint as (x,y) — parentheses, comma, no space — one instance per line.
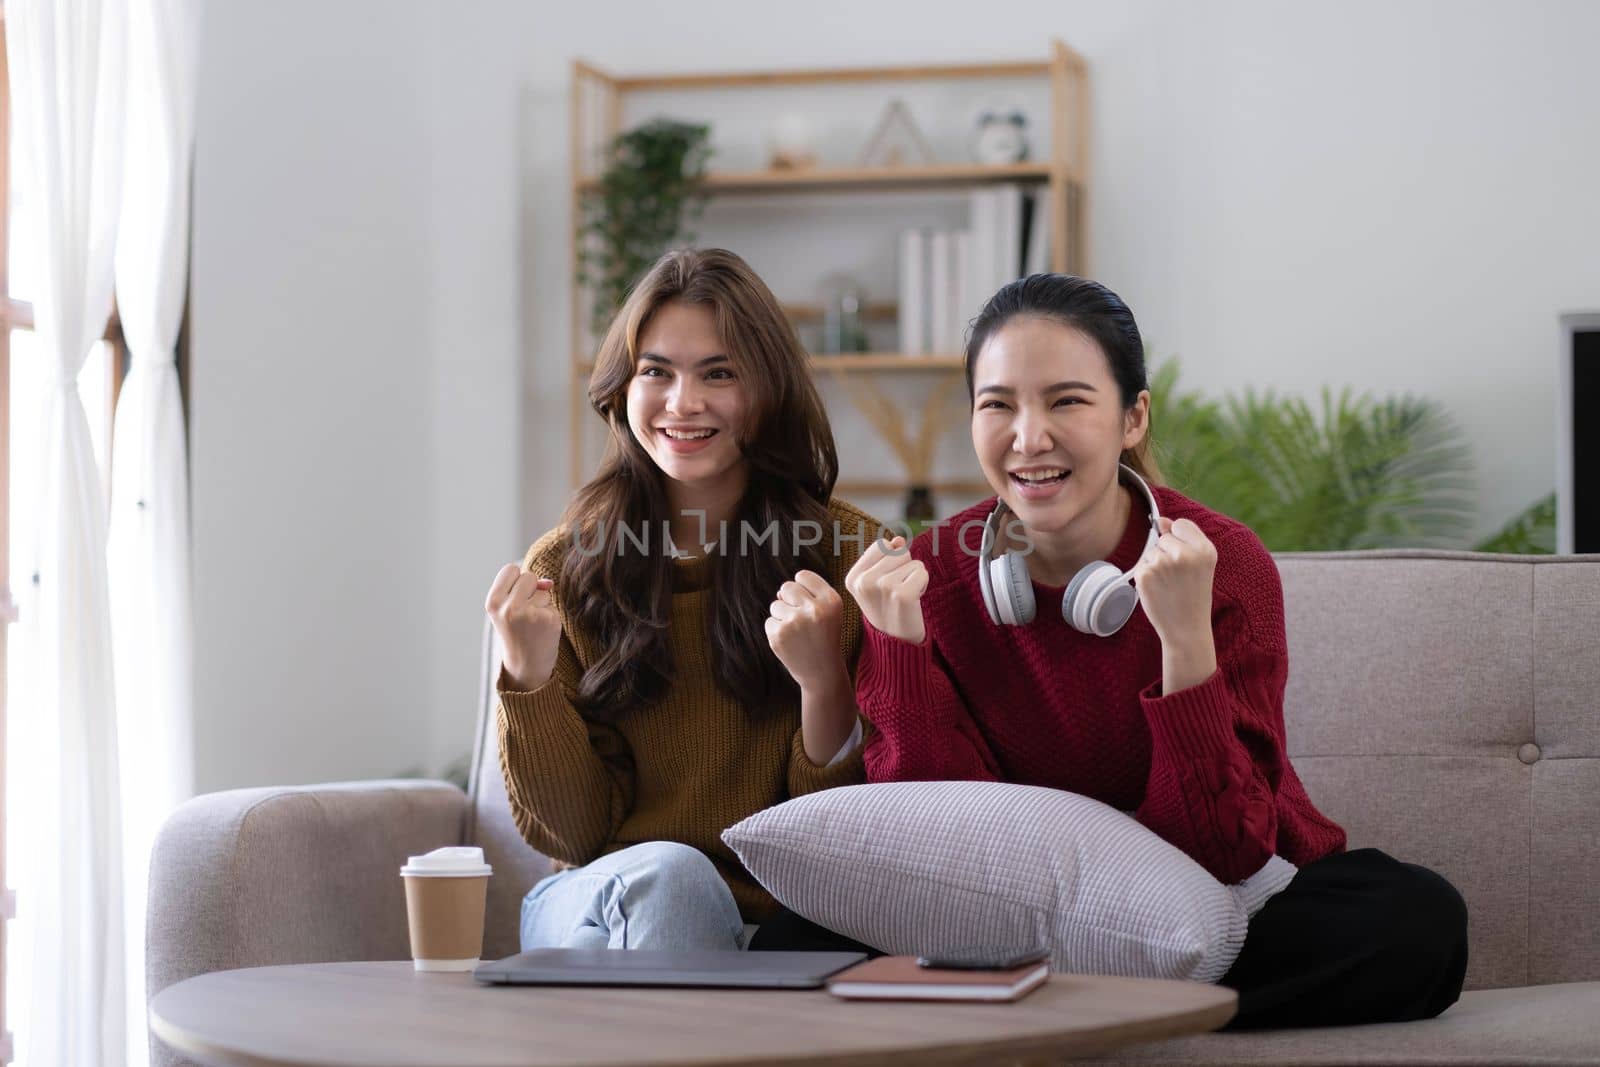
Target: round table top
(389,1015)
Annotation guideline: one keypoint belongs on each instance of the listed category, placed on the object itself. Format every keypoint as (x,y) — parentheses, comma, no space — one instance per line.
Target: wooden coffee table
(388,1015)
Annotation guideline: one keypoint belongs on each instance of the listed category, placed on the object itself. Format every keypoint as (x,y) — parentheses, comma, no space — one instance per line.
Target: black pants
(788,932)
(1356,937)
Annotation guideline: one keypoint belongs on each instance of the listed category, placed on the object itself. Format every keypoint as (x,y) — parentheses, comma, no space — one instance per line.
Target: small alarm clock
(1001,137)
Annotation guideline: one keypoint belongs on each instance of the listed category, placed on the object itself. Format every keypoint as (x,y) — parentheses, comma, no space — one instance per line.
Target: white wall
(480,314)
(311,444)
(1390,196)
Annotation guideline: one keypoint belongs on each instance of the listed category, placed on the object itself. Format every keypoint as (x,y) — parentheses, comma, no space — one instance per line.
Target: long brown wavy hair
(624,598)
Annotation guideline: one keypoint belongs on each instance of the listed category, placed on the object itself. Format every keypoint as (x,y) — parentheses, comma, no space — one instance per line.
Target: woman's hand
(803,629)
(888,585)
(522,607)
(1174,582)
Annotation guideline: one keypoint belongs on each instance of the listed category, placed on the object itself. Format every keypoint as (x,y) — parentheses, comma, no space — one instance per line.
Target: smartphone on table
(983,958)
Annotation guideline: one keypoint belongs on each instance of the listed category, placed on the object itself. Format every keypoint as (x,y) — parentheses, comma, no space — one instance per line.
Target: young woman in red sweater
(1152,677)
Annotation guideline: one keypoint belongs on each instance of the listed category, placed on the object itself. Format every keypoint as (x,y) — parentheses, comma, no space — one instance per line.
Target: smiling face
(686,405)
(1049,429)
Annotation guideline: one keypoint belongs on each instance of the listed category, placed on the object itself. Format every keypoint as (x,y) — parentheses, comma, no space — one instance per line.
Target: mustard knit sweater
(682,769)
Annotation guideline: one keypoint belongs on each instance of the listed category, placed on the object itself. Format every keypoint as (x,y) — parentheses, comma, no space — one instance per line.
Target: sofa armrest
(298,874)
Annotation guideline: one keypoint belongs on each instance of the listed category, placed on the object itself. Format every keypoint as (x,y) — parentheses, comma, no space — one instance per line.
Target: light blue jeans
(658,895)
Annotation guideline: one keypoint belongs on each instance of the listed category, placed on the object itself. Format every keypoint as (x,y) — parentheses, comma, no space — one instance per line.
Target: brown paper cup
(446,919)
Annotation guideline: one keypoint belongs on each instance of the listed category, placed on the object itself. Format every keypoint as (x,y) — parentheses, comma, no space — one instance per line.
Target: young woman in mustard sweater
(678,653)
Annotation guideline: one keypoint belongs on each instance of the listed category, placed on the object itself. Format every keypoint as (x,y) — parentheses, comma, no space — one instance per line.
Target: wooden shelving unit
(597,104)
(859,361)
(799,313)
(886,361)
(858,179)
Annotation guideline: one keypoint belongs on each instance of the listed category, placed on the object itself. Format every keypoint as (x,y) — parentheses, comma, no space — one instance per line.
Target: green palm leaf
(1531,533)
(1352,473)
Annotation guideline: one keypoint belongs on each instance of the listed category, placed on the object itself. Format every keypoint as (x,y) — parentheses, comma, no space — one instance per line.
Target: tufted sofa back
(1445,707)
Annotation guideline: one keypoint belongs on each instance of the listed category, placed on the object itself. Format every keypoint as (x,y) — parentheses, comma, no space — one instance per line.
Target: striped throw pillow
(937,867)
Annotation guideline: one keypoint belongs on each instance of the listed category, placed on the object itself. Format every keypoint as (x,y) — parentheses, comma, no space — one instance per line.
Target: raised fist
(888,585)
(523,609)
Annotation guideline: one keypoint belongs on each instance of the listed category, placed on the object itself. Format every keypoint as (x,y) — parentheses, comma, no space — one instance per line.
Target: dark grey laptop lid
(642,967)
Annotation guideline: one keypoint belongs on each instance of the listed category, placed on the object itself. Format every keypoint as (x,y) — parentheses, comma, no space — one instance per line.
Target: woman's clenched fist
(1174,581)
(888,586)
(523,610)
(803,626)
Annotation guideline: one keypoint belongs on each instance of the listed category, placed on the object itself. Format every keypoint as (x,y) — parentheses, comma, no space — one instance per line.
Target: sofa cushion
(936,867)
(1547,1025)
(1445,707)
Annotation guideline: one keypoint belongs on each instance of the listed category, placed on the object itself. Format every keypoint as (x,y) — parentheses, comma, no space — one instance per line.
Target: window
(22,373)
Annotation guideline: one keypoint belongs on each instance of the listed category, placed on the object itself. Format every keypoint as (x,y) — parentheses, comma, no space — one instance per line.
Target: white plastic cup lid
(453,862)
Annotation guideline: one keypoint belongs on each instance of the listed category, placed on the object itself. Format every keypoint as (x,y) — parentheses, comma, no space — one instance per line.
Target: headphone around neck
(1098,600)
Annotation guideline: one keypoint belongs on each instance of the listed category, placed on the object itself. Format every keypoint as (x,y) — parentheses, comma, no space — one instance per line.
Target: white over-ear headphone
(1098,600)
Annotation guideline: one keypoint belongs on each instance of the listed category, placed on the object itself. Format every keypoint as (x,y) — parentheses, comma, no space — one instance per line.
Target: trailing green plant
(1353,473)
(650,188)
(1531,533)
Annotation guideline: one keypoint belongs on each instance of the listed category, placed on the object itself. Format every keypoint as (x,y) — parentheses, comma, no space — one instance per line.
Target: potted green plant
(1357,472)
(650,189)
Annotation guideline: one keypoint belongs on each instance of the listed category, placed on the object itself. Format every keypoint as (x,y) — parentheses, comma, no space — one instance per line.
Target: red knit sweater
(1043,704)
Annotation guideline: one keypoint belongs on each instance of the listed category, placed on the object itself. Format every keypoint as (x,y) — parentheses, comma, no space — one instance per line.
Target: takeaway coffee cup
(445,894)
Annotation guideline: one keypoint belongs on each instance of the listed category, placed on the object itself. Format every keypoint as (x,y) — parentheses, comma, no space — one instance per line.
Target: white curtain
(67,84)
(152,620)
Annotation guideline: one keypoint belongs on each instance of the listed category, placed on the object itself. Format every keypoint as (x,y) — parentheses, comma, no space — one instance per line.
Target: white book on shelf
(913,293)
(972,294)
(940,259)
(1008,228)
(962,307)
(1039,235)
(981,207)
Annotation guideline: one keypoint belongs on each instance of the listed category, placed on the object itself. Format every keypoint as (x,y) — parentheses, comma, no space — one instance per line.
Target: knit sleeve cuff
(806,777)
(1195,720)
(895,674)
(542,724)
(502,682)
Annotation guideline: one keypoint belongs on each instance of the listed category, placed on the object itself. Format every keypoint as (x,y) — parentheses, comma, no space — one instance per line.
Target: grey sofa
(1442,706)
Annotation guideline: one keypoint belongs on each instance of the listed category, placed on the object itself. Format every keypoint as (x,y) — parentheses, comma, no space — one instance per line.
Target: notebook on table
(643,967)
(899,978)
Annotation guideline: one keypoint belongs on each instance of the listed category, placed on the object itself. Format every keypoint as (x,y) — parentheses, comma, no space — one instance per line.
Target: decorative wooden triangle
(896,142)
